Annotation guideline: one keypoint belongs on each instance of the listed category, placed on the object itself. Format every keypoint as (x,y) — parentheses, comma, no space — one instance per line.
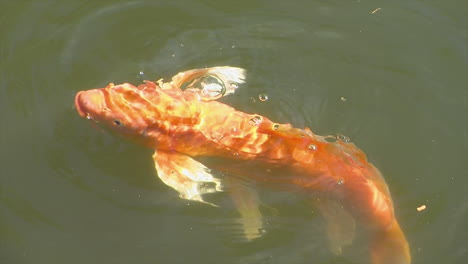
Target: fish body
(183,124)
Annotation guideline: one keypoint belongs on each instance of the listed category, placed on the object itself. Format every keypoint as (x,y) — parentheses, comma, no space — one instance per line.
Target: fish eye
(117,122)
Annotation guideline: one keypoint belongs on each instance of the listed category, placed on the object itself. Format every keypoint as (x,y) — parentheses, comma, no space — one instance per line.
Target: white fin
(232,77)
(339,222)
(228,80)
(247,203)
(186,175)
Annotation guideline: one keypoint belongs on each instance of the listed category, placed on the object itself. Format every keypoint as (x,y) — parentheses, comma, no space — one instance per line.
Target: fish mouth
(78,105)
(89,103)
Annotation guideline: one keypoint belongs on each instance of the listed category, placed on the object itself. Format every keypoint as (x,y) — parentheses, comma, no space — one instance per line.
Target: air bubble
(207,187)
(255,121)
(141,76)
(312,147)
(342,138)
(263,97)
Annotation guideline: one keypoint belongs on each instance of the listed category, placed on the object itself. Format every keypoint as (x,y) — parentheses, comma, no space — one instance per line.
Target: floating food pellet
(375,10)
(421,208)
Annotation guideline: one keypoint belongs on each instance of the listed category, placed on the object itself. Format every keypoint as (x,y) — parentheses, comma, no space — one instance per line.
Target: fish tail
(389,246)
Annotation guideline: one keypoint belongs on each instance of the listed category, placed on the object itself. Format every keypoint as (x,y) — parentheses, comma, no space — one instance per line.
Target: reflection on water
(71,194)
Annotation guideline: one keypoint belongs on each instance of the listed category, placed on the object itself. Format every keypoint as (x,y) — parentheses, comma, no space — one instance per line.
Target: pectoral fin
(247,203)
(340,224)
(186,175)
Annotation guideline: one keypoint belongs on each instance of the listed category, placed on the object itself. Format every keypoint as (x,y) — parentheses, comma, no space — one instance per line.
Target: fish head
(120,108)
(147,114)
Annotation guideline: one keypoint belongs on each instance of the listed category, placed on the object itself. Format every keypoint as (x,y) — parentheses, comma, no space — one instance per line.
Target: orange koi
(182,120)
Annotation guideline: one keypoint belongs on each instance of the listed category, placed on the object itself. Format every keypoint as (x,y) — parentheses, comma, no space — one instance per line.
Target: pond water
(390,76)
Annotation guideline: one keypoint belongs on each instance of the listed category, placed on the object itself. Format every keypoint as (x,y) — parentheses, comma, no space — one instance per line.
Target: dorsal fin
(209,83)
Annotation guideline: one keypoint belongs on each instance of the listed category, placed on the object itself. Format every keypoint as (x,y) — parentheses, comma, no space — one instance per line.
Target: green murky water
(392,79)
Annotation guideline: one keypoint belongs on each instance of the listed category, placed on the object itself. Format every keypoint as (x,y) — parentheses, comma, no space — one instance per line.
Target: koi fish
(182,120)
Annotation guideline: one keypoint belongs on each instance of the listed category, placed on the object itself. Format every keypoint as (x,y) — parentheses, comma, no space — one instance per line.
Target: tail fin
(390,246)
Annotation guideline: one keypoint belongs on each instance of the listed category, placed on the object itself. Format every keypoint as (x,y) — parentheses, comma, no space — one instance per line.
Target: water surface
(392,79)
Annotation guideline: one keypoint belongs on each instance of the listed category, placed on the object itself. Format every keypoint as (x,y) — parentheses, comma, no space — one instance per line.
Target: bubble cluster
(336,138)
(342,138)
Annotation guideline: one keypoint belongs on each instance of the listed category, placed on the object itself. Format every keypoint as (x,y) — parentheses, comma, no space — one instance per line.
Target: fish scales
(182,125)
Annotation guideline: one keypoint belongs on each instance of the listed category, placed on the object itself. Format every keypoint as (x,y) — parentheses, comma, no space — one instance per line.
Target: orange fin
(247,203)
(209,83)
(340,224)
(389,246)
(186,175)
